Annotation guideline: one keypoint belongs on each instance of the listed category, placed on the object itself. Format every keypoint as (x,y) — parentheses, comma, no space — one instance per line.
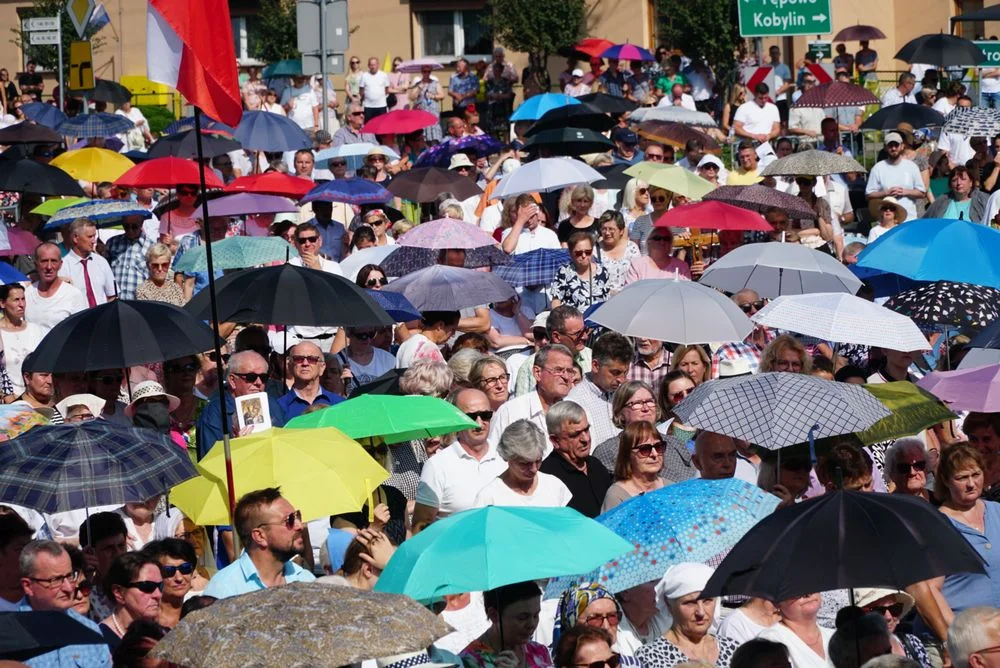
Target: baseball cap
(625,136)
(893,137)
(577,72)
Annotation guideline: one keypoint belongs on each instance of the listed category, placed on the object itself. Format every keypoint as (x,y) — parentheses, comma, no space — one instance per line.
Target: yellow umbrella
(53,205)
(93,164)
(321,472)
(671,177)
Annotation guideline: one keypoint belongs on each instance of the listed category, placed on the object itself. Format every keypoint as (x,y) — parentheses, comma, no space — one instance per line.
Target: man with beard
(272,532)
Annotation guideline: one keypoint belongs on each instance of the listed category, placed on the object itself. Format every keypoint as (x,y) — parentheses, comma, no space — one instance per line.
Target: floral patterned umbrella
(837,94)
(970,307)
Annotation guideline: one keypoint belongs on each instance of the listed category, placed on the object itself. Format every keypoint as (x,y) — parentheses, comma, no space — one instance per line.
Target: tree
(47,57)
(706,29)
(537,27)
(277,38)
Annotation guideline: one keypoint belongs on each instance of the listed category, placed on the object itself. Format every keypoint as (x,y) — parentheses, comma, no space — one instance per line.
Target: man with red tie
(84,268)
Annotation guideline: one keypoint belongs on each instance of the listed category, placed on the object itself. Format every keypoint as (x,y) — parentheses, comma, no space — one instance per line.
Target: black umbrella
(964,305)
(120,334)
(574,116)
(941,50)
(988,337)
(111,92)
(609,104)
(849,539)
(29,176)
(27,132)
(569,141)
(290,295)
(423,184)
(183,145)
(916,115)
(614,177)
(387,383)
(24,635)
(394,215)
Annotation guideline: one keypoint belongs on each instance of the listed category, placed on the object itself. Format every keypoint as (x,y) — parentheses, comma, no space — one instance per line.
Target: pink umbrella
(713,215)
(837,94)
(400,122)
(241,204)
(966,389)
(446,233)
(417,64)
(18,242)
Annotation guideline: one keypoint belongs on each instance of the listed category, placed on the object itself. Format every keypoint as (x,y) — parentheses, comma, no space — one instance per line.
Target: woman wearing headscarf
(593,605)
(688,638)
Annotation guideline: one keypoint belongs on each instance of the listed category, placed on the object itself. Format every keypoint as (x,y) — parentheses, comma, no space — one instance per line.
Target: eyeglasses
(306,359)
(187,568)
(640,403)
(338,163)
(56,581)
(598,620)
(575,336)
(485,416)
(680,394)
(146,586)
(213,357)
(176,368)
(293,517)
(987,650)
(582,253)
(252,377)
(611,662)
(357,113)
(788,365)
(654,157)
(659,198)
(559,371)
(896,609)
(646,449)
(903,468)
(373,282)
(495,380)
(308,240)
(159,265)
(752,306)
(376,220)
(641,191)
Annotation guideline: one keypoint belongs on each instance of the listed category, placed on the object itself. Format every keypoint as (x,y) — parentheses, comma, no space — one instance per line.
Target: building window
(450,34)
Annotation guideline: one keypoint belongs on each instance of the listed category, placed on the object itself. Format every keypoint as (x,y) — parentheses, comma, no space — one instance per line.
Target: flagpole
(207,238)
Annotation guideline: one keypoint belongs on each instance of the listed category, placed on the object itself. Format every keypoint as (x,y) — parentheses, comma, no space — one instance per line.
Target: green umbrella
(54,204)
(284,68)
(237,253)
(485,548)
(913,410)
(395,419)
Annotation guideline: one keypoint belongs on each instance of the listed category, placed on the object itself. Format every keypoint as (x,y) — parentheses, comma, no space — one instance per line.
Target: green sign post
(992,50)
(779,18)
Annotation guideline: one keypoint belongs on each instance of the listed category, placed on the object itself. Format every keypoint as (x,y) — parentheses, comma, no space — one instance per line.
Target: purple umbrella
(407,259)
(242,204)
(628,52)
(966,389)
(441,288)
(417,64)
(446,233)
(440,155)
(351,191)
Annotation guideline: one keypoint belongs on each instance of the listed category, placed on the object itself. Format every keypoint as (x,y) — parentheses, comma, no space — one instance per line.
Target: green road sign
(992,50)
(778,18)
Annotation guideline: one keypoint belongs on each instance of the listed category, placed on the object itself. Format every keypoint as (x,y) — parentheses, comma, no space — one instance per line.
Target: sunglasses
(146,586)
(187,568)
(582,253)
(659,198)
(896,609)
(213,357)
(338,163)
(160,265)
(904,468)
(307,240)
(598,620)
(642,191)
(253,377)
(306,359)
(752,306)
(646,449)
(187,193)
(357,113)
(611,662)
(485,416)
(85,587)
(190,367)
(289,521)
(677,396)
(463,169)
(654,157)
(363,336)
(379,282)
(376,158)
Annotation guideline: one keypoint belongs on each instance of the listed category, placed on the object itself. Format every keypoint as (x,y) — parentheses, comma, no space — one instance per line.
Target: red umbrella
(272,183)
(20,242)
(713,216)
(400,122)
(837,94)
(858,33)
(593,46)
(167,173)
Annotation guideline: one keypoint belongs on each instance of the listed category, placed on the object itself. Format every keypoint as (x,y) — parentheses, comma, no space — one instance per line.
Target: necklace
(118,628)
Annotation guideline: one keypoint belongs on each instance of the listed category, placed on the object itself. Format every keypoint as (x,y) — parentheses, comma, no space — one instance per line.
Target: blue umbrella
(264,131)
(695,520)
(534,107)
(440,155)
(537,267)
(98,124)
(8,274)
(44,114)
(352,191)
(885,284)
(396,305)
(933,249)
(104,212)
(208,124)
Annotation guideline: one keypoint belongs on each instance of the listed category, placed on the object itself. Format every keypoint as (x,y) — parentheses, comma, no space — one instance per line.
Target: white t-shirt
(893,96)
(381,362)
(875,232)
(540,237)
(301,332)
(47,312)
(958,147)
(374,87)
(417,347)
(550,492)
(904,173)
(989,84)
(302,101)
(739,627)
(800,654)
(806,118)
(944,106)
(451,479)
(756,119)
(16,346)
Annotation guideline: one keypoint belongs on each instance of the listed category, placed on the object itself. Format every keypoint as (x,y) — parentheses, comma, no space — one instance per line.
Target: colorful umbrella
(272,183)
(837,94)
(440,155)
(322,472)
(975,389)
(969,307)
(167,173)
(407,259)
(400,122)
(713,216)
(446,233)
(243,203)
(592,47)
(423,184)
(760,199)
(17,418)
(858,33)
(237,253)
(104,213)
(350,151)
(47,115)
(93,164)
(8,274)
(773,269)
(395,419)
(441,288)
(264,131)
(535,106)
(537,267)
(673,178)
(15,241)
(545,175)
(484,548)
(350,190)
(628,52)
(694,520)
(291,67)
(813,163)
(97,124)
(913,410)
(417,64)
(916,115)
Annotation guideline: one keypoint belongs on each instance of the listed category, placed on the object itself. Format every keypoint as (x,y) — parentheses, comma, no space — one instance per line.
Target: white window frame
(458,32)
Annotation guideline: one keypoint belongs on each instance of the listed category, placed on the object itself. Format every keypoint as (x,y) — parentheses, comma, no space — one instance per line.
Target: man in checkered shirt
(752,347)
(127,256)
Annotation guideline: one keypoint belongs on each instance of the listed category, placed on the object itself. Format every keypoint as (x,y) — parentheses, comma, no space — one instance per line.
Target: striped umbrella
(628,52)
(98,124)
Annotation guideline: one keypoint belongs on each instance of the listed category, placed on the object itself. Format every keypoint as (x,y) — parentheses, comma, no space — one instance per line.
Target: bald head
(714,455)
(473,402)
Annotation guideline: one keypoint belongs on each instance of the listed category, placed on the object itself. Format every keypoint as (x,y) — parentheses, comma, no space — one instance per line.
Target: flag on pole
(387,62)
(98,19)
(189,46)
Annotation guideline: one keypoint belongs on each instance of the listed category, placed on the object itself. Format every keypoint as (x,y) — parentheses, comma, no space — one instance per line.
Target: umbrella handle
(812,443)
(371,500)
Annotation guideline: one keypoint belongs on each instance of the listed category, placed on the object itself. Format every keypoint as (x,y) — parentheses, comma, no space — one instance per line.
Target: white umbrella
(773,269)
(359,258)
(355,154)
(673,310)
(674,115)
(546,175)
(842,318)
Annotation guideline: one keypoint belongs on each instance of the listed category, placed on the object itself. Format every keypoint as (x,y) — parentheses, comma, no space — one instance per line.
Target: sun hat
(147,389)
(460,160)
(875,208)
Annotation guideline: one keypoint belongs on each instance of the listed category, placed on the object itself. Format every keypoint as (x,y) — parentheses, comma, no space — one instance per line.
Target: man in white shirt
(989,87)
(374,90)
(84,268)
(50,300)
(451,478)
(528,233)
(896,176)
(301,103)
(308,241)
(757,118)
(903,92)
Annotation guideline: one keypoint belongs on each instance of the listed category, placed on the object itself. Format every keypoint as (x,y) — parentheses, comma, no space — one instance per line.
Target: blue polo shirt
(292,405)
(241,577)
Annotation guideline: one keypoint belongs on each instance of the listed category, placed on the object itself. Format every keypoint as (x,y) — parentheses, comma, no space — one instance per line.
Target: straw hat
(460,160)
(875,208)
(147,389)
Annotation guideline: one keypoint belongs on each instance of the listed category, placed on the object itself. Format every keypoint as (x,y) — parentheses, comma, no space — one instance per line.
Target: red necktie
(86,279)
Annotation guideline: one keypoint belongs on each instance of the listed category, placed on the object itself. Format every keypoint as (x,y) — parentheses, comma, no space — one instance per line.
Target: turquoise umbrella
(485,548)
(283,68)
(237,253)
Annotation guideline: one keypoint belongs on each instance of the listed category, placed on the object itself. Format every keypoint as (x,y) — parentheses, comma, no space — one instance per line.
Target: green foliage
(703,29)
(538,27)
(158,118)
(47,57)
(275,33)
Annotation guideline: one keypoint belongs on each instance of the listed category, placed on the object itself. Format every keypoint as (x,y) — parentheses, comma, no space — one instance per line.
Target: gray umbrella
(775,410)
(441,288)
(813,163)
(673,114)
(761,199)
(773,269)
(677,311)
(973,122)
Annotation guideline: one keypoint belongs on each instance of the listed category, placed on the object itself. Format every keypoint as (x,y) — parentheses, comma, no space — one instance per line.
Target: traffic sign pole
(62,86)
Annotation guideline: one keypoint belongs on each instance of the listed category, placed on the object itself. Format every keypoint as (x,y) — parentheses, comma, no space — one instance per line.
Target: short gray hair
(478,370)
(898,448)
(26,562)
(158,250)
(971,631)
(562,412)
(427,378)
(542,356)
(80,224)
(236,361)
(522,440)
(461,363)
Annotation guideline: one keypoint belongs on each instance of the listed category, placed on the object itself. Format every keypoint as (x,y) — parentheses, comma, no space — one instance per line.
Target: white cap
(577,72)
(709,159)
